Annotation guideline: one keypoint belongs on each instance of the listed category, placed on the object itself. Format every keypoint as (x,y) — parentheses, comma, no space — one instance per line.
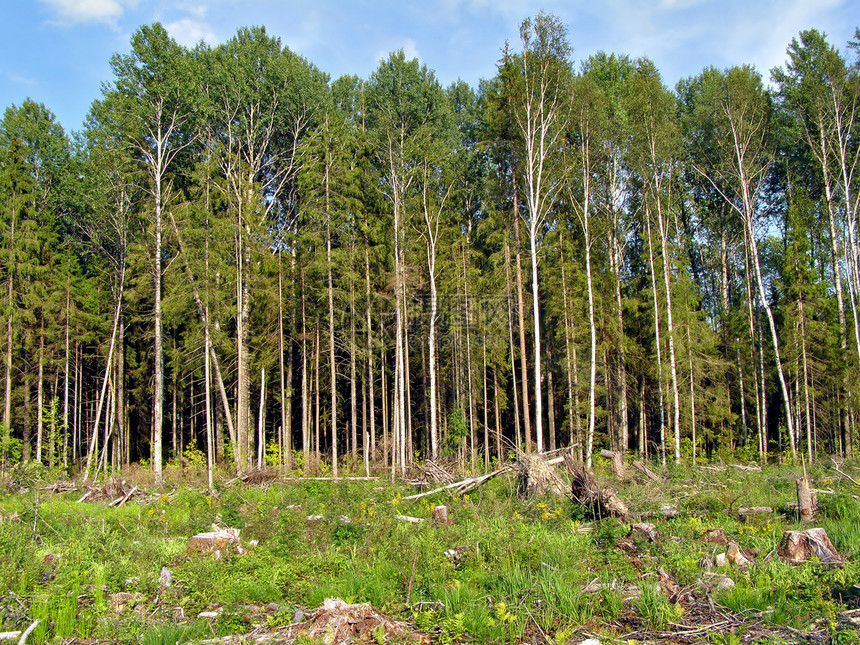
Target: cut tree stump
(805,499)
(741,558)
(715,536)
(218,543)
(800,546)
(601,500)
(616,460)
(440,516)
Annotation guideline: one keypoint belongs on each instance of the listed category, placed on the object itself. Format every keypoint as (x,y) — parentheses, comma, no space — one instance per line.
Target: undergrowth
(504,570)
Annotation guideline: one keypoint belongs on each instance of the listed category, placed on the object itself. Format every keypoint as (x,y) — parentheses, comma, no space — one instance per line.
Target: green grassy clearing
(525,570)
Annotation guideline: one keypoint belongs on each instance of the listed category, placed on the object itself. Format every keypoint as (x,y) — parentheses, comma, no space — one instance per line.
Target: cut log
(616,460)
(642,468)
(667,511)
(800,546)
(601,501)
(745,514)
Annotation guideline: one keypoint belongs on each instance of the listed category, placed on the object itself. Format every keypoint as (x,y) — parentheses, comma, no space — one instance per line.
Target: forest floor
(277,559)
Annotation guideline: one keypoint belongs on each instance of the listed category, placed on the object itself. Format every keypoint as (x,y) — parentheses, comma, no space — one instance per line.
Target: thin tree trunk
(261,422)
(306,395)
(108,366)
(370,377)
(331,356)
(283,447)
(40,396)
(521,307)
(670,328)
(66,377)
(508,291)
(658,341)
(210,438)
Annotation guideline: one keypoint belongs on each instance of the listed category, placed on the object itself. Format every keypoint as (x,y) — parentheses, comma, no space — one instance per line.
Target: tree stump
(800,546)
(805,500)
(440,516)
(217,543)
(616,460)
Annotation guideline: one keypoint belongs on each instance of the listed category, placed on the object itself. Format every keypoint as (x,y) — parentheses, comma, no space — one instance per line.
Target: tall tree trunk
(10,281)
(370,376)
(670,328)
(210,437)
(283,446)
(40,396)
(331,354)
(261,423)
(658,341)
(158,358)
(521,308)
(65,459)
(306,395)
(514,389)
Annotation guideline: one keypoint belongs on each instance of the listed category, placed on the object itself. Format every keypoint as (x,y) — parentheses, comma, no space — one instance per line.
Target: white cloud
(761,38)
(70,12)
(189,32)
(410,50)
(21,80)
(679,4)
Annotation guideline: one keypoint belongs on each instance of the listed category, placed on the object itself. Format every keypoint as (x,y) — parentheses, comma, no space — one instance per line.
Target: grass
(520,573)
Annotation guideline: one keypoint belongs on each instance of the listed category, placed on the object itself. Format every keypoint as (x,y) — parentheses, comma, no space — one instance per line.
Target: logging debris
(601,501)
(642,468)
(616,461)
(536,477)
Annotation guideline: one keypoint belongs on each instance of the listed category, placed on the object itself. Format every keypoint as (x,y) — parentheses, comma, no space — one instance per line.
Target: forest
(242,262)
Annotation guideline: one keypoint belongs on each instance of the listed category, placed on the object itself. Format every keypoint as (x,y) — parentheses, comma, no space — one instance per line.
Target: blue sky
(57,51)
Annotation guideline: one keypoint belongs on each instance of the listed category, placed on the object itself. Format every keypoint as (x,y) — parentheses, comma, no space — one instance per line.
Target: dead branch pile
(600,500)
(118,492)
(256,478)
(60,487)
(462,486)
(433,472)
(536,477)
(335,621)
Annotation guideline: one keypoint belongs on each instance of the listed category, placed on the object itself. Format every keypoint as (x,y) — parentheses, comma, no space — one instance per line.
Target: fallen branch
(461,486)
(407,518)
(122,500)
(28,631)
(642,468)
(846,475)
